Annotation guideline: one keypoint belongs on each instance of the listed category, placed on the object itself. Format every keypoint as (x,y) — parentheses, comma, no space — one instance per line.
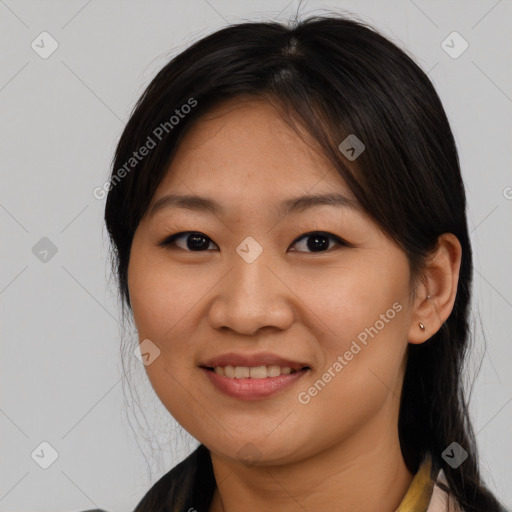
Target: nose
(252,296)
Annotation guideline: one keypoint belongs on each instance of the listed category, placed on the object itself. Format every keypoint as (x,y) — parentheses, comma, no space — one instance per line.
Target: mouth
(253,377)
(253,372)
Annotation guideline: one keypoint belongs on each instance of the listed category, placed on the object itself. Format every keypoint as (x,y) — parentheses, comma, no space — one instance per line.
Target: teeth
(258,372)
(252,372)
(273,371)
(242,372)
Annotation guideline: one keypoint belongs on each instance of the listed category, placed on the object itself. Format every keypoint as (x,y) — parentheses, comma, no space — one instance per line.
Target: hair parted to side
(336,76)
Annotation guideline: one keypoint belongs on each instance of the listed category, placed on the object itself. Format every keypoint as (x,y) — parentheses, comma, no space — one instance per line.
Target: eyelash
(168,241)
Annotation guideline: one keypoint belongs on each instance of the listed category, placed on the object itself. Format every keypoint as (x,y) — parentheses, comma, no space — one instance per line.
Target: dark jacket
(188,486)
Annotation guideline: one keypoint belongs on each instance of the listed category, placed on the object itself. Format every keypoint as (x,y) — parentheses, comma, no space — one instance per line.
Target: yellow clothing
(419,493)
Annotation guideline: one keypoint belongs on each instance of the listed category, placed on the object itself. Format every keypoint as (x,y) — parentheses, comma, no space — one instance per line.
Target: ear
(435,296)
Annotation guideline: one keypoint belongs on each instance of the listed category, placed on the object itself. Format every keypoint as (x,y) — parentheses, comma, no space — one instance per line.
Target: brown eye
(193,241)
(319,241)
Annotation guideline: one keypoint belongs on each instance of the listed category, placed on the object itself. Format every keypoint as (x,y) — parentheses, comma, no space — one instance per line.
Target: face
(282,323)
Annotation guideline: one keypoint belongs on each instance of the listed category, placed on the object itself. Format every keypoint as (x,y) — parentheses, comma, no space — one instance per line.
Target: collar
(428,492)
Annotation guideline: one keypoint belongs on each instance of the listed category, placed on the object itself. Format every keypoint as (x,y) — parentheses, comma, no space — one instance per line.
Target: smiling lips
(252,377)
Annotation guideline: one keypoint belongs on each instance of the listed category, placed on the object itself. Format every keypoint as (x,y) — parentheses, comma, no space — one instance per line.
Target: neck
(341,478)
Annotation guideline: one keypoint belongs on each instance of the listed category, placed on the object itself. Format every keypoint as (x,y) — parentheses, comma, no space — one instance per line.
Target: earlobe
(435,296)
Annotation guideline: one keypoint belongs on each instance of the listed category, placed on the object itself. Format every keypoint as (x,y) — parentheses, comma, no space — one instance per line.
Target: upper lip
(261,359)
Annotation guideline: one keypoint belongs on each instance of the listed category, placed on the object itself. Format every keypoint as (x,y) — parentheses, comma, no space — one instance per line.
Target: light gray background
(61,377)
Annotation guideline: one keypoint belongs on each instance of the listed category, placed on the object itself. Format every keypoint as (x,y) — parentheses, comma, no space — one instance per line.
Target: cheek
(166,305)
(161,297)
(164,313)
(163,307)
(361,323)
(364,322)
(343,301)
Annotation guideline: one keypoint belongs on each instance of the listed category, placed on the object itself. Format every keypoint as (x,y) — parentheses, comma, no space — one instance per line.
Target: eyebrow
(293,205)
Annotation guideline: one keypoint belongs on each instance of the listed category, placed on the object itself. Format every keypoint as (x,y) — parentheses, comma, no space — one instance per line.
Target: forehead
(246,148)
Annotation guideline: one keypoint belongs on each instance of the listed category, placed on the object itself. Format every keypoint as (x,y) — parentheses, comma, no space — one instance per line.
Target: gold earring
(422,327)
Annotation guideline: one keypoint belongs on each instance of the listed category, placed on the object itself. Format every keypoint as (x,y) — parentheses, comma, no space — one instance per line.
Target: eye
(194,241)
(318,241)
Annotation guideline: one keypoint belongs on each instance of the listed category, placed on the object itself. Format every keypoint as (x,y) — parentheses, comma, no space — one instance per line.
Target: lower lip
(252,389)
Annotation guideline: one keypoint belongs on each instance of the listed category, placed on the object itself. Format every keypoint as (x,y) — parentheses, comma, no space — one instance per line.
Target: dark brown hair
(335,76)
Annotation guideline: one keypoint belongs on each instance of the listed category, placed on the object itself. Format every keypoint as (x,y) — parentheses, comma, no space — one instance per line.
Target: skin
(342,448)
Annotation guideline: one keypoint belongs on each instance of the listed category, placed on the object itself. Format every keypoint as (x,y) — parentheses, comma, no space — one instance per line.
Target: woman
(288,222)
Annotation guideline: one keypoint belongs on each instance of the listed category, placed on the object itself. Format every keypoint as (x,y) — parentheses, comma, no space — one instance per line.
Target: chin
(256,450)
